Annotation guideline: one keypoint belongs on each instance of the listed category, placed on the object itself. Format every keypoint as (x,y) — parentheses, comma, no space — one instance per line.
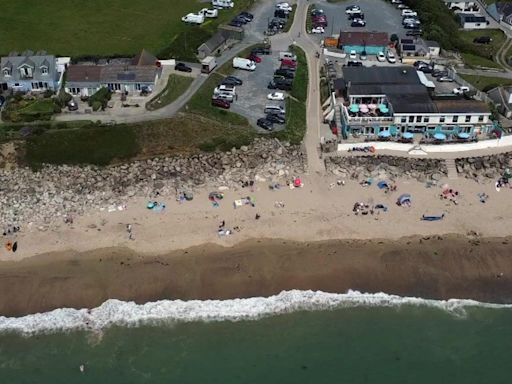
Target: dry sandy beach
(84,263)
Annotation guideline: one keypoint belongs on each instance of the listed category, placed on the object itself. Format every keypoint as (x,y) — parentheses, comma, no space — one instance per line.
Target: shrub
(96,105)
(64,97)
(48,93)
(56,108)
(103,95)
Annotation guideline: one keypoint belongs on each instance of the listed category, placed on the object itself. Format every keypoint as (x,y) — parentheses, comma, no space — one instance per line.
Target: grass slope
(176,86)
(485,83)
(106,28)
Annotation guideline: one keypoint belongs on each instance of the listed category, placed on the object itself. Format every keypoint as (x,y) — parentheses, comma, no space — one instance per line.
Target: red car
(254,58)
(288,63)
(221,103)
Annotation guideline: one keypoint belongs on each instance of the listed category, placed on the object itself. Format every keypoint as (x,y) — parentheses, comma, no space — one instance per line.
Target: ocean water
(312,338)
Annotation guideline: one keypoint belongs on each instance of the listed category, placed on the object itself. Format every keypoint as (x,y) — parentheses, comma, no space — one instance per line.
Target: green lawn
(485,83)
(300,83)
(485,51)
(93,145)
(176,86)
(478,61)
(291,16)
(106,28)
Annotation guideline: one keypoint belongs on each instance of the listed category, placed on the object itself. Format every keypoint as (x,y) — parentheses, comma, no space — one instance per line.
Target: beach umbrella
(297,182)
(383,108)
(463,135)
(363,108)
(384,134)
(354,108)
(404,199)
(440,136)
(372,106)
(408,135)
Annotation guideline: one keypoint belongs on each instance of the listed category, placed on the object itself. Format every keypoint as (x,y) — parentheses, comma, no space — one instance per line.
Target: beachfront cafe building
(394,102)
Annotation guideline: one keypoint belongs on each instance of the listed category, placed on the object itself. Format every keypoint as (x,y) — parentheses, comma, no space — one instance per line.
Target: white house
(472,21)
(30,72)
(462,6)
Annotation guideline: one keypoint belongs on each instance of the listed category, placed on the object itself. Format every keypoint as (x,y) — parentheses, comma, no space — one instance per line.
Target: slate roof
(36,61)
(104,74)
(144,58)
(461,106)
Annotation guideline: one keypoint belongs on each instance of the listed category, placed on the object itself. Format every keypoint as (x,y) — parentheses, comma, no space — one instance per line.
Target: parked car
(72,105)
(353,63)
(414,32)
(317,12)
(353,16)
(363,55)
(221,103)
(275,118)
(288,67)
(248,16)
(318,30)
(419,63)
(235,23)
(283,86)
(229,97)
(358,23)
(482,40)
(231,80)
(289,63)
(445,79)
(460,90)
(352,55)
(261,51)
(381,57)
(281,13)
(352,9)
(265,124)
(391,57)
(254,58)
(285,73)
(425,69)
(182,67)
(439,73)
(275,96)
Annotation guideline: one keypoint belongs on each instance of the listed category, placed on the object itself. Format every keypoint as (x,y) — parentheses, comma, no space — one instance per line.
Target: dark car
(287,74)
(352,63)
(279,85)
(235,23)
(276,118)
(420,63)
(358,23)
(265,124)
(233,80)
(317,12)
(72,105)
(182,67)
(246,16)
(221,103)
(425,68)
(288,67)
(281,13)
(261,51)
(414,32)
(439,73)
(353,16)
(482,40)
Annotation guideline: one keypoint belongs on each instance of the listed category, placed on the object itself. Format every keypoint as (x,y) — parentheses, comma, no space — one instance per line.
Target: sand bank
(437,267)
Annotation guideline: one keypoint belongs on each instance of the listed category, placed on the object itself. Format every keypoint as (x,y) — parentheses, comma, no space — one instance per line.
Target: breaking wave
(121,313)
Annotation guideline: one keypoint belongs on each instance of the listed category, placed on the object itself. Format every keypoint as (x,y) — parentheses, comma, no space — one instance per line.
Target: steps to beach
(451,168)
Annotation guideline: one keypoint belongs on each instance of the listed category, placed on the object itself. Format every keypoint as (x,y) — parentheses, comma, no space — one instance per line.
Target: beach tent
(382,184)
(404,199)
(408,135)
(439,136)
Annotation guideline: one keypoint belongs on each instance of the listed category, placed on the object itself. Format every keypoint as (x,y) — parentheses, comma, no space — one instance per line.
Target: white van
(223,3)
(193,18)
(287,55)
(224,96)
(274,109)
(241,63)
(408,12)
(211,13)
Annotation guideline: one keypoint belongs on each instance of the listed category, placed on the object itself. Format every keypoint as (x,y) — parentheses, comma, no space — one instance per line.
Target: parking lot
(252,95)
(380,16)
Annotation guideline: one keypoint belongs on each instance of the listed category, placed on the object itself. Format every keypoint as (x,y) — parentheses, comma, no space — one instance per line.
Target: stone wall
(55,191)
(484,167)
(357,167)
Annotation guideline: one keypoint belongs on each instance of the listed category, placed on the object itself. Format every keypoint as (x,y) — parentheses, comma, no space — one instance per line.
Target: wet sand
(437,267)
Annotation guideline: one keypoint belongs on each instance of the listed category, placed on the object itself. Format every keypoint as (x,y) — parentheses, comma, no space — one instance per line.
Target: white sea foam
(116,312)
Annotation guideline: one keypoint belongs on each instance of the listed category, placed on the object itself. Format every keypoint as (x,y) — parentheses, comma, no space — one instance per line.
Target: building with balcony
(30,72)
(392,100)
(370,42)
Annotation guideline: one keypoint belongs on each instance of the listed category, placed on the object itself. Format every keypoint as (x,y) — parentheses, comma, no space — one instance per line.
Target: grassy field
(176,86)
(106,28)
(94,145)
(485,83)
(486,52)
(478,61)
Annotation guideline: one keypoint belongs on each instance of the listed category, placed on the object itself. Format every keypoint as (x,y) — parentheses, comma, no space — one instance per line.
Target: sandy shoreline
(178,253)
(436,267)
